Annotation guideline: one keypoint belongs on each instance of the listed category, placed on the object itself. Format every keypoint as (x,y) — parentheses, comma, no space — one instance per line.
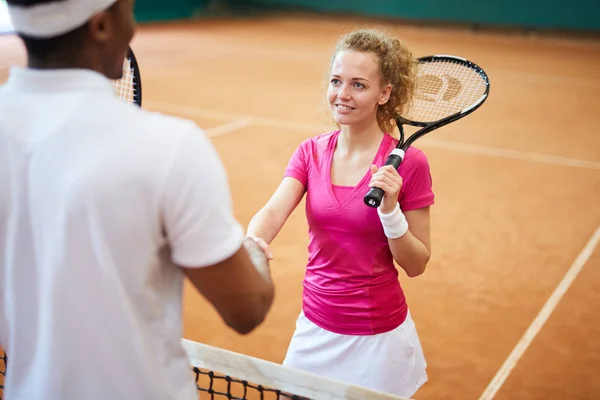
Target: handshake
(259,253)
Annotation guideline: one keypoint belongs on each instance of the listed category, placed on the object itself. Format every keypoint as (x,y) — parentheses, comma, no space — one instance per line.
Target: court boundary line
(228,127)
(543,315)
(509,153)
(190,112)
(322,57)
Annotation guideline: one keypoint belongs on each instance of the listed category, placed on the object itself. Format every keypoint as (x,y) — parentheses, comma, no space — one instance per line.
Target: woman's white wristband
(394,223)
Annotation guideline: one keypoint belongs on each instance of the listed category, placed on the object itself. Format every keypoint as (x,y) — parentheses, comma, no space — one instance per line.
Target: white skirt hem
(391,362)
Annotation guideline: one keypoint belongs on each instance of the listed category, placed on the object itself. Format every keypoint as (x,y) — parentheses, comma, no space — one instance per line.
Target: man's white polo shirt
(90,300)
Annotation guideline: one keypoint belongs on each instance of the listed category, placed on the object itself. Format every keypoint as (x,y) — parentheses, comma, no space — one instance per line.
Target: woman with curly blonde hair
(355,324)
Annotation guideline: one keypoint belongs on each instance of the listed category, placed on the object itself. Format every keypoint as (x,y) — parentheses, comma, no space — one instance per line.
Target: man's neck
(60,62)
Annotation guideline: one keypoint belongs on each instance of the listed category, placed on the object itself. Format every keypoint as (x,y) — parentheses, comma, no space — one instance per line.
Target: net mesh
(223,374)
(126,87)
(445,87)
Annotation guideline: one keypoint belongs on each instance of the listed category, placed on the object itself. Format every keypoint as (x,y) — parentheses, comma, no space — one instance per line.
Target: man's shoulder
(154,126)
(158,121)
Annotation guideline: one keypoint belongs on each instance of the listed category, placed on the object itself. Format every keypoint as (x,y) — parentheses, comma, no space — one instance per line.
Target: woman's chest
(350,171)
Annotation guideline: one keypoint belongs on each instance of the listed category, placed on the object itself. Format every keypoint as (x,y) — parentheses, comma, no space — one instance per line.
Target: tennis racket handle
(375,195)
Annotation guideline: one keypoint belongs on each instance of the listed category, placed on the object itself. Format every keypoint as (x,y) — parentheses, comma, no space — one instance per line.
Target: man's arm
(240,287)
(208,243)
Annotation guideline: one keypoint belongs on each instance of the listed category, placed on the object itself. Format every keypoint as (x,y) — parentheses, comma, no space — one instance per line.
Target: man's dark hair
(59,46)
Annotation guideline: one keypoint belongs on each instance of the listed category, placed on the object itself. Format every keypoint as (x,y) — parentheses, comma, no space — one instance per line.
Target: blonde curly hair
(397,67)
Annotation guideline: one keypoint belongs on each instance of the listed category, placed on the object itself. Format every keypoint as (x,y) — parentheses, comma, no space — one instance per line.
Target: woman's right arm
(269,220)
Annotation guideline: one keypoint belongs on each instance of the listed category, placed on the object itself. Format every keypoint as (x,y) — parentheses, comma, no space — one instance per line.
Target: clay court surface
(516,222)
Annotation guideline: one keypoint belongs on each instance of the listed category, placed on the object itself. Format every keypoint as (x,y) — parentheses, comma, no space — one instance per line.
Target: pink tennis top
(351,283)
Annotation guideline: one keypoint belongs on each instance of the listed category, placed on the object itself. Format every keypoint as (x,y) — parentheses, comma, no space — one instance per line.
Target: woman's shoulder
(319,141)
(411,155)
(323,136)
(415,154)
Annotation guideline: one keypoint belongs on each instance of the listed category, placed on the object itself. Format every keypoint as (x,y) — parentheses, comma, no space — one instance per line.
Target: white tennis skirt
(391,362)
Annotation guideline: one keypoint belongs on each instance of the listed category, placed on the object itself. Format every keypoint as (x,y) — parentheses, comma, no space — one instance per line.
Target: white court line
(217,114)
(506,153)
(229,127)
(544,79)
(541,318)
(192,111)
(322,57)
(425,142)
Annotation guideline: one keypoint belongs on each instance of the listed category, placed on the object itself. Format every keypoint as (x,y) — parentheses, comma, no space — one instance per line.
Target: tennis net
(223,374)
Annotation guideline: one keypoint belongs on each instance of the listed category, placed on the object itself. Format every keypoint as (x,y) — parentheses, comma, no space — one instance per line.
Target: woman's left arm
(407,233)
(413,249)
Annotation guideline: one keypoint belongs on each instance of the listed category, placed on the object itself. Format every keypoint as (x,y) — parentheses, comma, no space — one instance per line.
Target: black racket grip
(375,195)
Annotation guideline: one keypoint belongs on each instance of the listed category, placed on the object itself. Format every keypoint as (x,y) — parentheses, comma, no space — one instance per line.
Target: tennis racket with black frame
(448,88)
(129,87)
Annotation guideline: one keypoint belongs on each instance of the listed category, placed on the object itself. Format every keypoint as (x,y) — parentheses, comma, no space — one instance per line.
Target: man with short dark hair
(104,209)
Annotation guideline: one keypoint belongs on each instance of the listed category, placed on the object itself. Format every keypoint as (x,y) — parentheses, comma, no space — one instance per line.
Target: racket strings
(443,89)
(126,86)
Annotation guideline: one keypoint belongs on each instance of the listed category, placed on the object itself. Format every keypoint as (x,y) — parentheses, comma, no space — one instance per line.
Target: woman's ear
(385,94)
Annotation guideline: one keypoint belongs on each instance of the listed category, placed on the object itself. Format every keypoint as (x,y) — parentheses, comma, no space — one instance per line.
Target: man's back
(90,185)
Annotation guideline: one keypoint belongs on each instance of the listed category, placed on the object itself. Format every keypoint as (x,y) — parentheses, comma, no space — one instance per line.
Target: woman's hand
(387,179)
(264,246)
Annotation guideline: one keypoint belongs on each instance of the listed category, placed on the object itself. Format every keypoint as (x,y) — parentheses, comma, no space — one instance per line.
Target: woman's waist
(354,293)
(359,310)
(328,279)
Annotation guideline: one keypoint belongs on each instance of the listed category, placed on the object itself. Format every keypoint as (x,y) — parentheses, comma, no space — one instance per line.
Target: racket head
(448,87)
(129,87)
